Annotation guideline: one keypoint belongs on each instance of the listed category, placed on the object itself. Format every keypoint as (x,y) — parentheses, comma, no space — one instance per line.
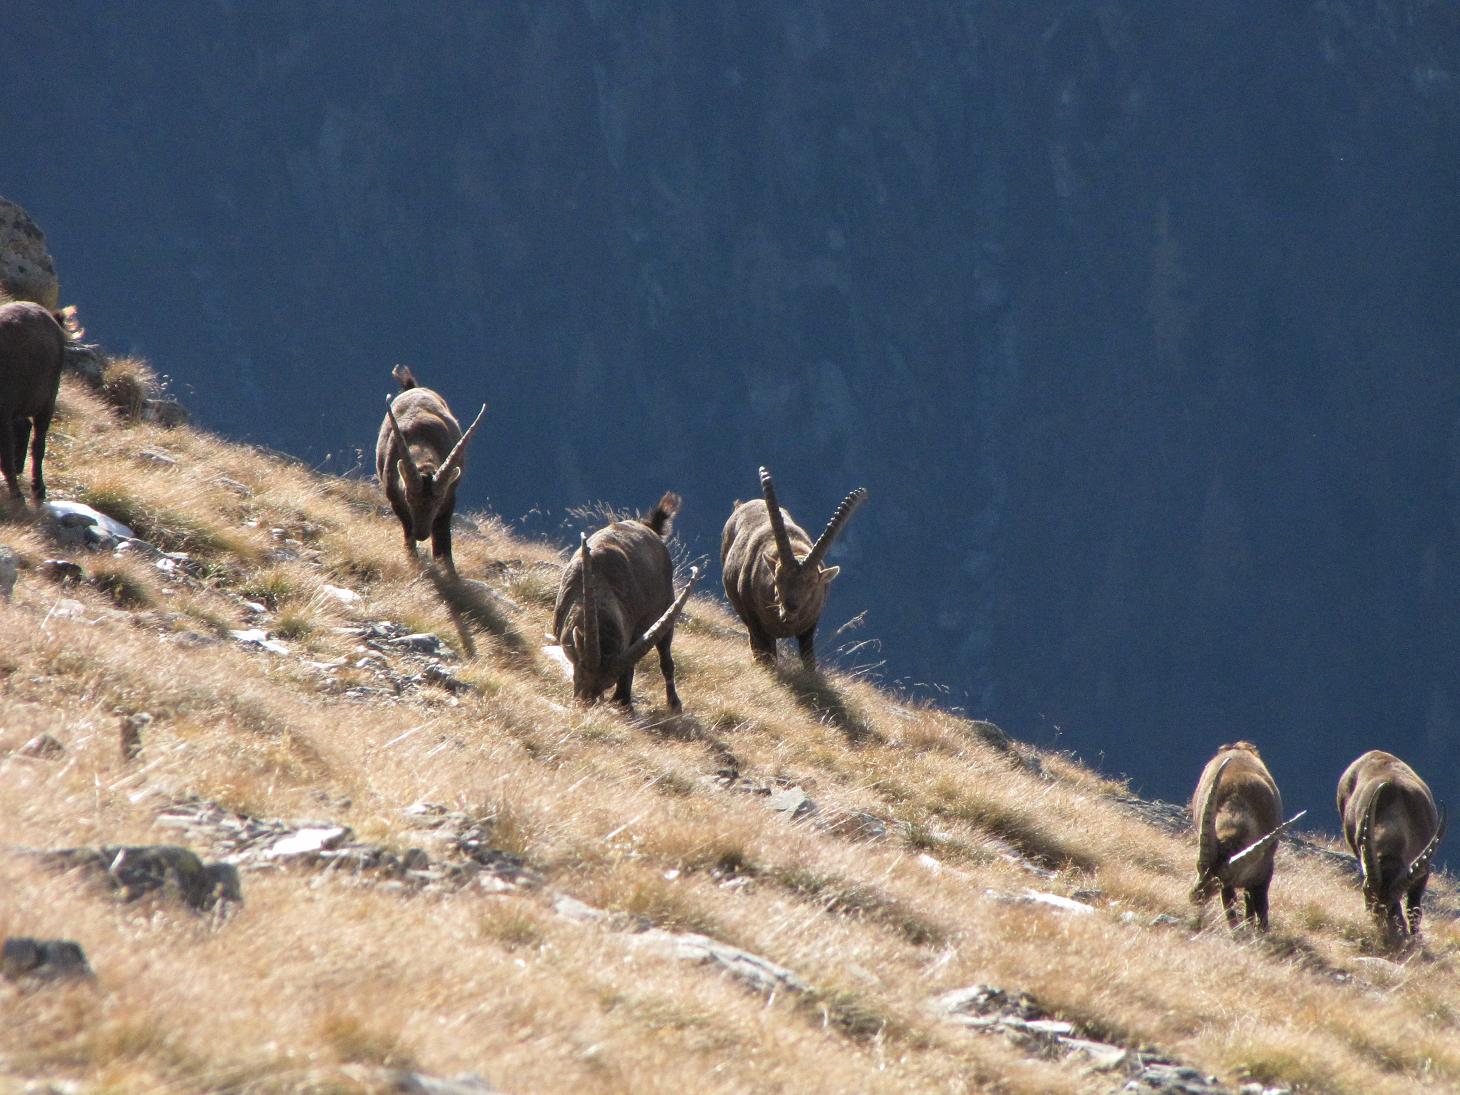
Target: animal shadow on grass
(682,727)
(471,602)
(819,695)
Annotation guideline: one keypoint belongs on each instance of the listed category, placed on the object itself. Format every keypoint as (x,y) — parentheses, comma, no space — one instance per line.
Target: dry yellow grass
(324,980)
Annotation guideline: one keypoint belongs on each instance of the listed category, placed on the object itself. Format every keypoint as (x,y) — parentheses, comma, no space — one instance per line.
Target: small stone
(9,567)
(43,747)
(157,456)
(341,594)
(1161,1078)
(61,571)
(423,642)
(44,959)
(259,639)
(132,727)
(793,802)
(418,1083)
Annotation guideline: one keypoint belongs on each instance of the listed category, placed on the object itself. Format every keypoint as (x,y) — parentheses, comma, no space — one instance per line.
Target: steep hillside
(447,867)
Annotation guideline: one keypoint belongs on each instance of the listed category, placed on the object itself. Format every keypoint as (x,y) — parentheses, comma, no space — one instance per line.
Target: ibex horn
(1263,841)
(413,473)
(459,449)
(1206,842)
(1364,838)
(834,527)
(1421,864)
(592,652)
(661,626)
(778,523)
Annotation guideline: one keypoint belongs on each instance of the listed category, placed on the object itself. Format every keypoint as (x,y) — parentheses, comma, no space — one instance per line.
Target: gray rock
(1163,1078)
(43,747)
(76,525)
(258,639)
(759,973)
(423,642)
(85,360)
(418,1083)
(61,571)
(26,269)
(131,733)
(168,413)
(163,869)
(793,802)
(9,568)
(157,456)
(44,959)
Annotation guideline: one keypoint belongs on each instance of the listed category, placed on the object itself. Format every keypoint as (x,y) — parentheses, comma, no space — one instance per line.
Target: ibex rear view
(616,600)
(419,456)
(1238,813)
(773,573)
(32,348)
(1392,825)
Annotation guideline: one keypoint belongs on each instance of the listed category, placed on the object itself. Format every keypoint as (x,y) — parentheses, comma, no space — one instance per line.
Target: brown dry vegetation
(323,979)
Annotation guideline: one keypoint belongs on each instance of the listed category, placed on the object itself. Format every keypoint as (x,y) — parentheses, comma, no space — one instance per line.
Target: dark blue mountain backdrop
(1139,321)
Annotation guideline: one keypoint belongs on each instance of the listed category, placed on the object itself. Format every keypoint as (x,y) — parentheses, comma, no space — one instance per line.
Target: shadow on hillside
(819,695)
(473,603)
(687,728)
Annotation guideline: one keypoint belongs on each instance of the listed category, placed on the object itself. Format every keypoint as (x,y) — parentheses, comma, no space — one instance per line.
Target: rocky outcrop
(42,959)
(26,269)
(164,870)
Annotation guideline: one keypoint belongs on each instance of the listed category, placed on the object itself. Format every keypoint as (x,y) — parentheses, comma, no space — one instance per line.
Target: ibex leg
(666,666)
(7,455)
(441,542)
(762,646)
(37,455)
(1257,905)
(807,642)
(1412,901)
(1229,905)
(624,693)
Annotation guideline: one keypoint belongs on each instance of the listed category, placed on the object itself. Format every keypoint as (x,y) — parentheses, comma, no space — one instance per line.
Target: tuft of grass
(126,383)
(126,583)
(359,1040)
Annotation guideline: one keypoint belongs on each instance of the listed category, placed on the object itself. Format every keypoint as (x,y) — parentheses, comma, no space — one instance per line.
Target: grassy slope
(322,975)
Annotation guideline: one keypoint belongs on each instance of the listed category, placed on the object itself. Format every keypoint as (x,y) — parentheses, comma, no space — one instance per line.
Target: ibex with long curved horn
(773,573)
(1239,815)
(616,600)
(1392,825)
(419,456)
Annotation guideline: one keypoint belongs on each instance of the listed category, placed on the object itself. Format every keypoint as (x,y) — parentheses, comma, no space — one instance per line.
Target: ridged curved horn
(459,449)
(640,646)
(1421,864)
(834,527)
(413,473)
(1263,841)
(592,652)
(1206,846)
(778,523)
(1364,839)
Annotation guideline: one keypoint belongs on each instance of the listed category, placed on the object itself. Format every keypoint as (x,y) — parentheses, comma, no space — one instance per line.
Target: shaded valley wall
(1139,322)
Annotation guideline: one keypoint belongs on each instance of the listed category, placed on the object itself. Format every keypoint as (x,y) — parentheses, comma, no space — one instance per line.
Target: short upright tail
(661,517)
(404,375)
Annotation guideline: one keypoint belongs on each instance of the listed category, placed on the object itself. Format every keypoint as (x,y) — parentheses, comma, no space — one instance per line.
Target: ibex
(32,347)
(616,600)
(419,457)
(773,572)
(1239,815)
(1392,826)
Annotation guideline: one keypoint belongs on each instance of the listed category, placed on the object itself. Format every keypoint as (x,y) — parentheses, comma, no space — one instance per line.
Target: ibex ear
(400,478)
(451,477)
(576,638)
(828,573)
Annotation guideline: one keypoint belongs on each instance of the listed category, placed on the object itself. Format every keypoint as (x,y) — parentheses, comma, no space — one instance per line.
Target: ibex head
(427,487)
(595,668)
(801,583)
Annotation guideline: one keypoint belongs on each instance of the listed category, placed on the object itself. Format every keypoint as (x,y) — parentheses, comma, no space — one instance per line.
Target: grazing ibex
(32,347)
(1238,814)
(616,600)
(1391,823)
(419,457)
(773,572)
